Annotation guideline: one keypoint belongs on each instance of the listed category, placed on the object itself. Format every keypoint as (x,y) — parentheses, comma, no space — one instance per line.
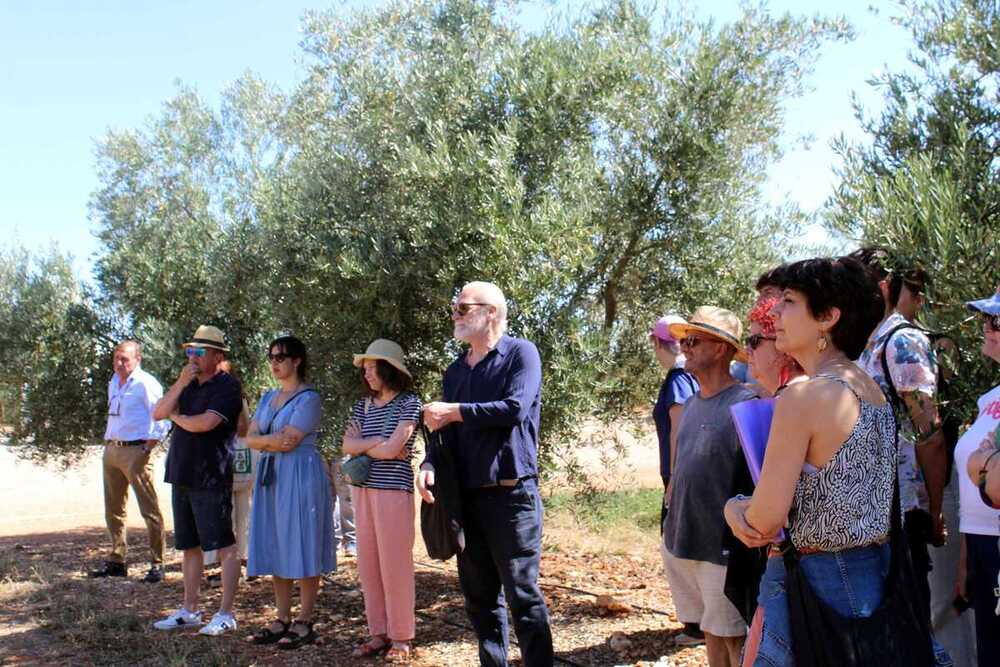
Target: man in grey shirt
(708,453)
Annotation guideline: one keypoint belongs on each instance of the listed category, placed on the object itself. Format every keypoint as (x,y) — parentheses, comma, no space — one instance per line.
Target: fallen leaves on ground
(606,609)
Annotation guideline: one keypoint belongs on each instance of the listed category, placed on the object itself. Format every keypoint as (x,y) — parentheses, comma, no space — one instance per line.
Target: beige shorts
(698,590)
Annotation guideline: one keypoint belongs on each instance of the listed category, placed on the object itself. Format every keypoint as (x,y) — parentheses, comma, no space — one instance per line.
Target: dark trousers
(983,553)
(503,550)
(917,530)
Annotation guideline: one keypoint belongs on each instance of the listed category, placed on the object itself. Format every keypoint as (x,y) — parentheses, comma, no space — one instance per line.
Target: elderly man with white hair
(489,416)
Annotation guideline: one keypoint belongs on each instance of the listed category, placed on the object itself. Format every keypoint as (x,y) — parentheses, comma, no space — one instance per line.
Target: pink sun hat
(661,329)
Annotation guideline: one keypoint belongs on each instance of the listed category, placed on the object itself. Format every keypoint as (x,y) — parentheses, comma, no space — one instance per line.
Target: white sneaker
(182,618)
(219,624)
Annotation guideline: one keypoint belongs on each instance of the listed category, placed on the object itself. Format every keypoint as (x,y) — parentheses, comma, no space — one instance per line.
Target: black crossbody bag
(896,635)
(266,471)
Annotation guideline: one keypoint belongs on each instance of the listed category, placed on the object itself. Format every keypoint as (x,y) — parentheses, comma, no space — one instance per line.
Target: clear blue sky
(71,70)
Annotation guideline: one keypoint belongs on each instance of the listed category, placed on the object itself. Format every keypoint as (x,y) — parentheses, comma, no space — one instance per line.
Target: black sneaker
(155,575)
(110,569)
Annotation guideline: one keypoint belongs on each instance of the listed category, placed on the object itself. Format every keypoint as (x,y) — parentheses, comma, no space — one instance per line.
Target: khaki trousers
(124,466)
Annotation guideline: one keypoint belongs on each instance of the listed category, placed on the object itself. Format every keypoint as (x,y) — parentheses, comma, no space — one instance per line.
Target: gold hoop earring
(821,344)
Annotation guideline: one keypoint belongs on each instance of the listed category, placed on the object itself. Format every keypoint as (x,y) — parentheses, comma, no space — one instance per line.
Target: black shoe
(155,575)
(110,570)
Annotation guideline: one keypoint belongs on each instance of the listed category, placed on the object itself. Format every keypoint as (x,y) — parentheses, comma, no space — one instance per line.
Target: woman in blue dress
(291,527)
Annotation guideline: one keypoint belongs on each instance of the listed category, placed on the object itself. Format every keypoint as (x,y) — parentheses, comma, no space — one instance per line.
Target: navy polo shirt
(500,402)
(204,460)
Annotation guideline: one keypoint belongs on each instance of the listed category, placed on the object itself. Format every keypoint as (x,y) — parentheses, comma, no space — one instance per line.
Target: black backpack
(948,411)
(441,521)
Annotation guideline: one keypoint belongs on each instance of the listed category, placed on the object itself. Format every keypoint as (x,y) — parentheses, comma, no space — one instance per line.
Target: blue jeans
(503,550)
(850,581)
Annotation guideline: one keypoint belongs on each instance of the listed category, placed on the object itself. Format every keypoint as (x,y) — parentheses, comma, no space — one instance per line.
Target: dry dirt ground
(52,614)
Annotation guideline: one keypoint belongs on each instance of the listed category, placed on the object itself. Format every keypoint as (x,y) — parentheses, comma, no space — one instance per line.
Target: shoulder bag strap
(284,405)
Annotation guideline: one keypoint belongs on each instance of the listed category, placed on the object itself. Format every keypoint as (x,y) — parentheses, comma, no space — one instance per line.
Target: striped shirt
(392,474)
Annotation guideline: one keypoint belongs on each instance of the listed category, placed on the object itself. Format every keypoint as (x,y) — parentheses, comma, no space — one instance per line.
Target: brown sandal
(371,648)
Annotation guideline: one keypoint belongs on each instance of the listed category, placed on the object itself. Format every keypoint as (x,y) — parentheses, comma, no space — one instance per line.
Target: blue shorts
(202,518)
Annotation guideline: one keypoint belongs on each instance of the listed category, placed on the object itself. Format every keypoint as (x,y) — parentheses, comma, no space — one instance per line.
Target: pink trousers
(385,533)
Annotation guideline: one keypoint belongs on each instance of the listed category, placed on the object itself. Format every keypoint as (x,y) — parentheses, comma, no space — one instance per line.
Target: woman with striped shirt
(383,426)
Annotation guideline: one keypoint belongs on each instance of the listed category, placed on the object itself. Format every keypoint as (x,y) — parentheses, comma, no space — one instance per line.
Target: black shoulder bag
(441,521)
(896,635)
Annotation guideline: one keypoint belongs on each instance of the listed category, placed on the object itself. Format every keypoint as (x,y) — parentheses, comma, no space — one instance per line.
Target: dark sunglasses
(194,351)
(992,321)
(754,341)
(280,357)
(463,309)
(694,341)
(982,482)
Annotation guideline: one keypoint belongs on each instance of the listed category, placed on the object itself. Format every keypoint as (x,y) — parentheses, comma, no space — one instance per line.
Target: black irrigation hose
(562,586)
(463,626)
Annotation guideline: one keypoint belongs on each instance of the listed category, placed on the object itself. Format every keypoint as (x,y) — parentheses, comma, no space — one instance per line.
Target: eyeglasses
(463,309)
(194,351)
(279,357)
(982,481)
(754,341)
(992,321)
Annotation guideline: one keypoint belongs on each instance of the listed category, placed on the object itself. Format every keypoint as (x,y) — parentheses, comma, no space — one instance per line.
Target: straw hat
(387,351)
(717,323)
(208,336)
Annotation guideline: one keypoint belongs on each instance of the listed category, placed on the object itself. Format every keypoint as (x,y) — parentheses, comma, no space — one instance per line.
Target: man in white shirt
(131,436)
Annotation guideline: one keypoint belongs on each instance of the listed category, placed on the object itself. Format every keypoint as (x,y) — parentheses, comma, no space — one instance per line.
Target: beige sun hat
(208,336)
(716,322)
(386,350)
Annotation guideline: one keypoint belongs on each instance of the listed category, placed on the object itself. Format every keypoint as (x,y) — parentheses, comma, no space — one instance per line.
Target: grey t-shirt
(708,453)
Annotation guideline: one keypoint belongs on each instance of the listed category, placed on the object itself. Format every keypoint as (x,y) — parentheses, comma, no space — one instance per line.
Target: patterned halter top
(847,503)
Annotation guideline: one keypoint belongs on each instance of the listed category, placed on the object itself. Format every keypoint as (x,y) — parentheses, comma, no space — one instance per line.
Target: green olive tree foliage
(927,186)
(602,172)
(55,359)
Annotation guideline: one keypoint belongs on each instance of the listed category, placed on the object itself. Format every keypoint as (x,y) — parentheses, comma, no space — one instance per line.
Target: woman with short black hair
(830,466)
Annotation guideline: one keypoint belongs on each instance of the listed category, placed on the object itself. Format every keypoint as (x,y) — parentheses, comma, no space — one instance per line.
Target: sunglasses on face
(689,342)
(992,321)
(279,357)
(463,309)
(194,351)
(982,482)
(754,341)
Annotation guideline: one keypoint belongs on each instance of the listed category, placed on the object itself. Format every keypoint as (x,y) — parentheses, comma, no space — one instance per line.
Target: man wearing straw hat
(204,404)
(708,460)
(490,410)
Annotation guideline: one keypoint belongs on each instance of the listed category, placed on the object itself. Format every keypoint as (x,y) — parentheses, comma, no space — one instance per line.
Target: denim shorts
(850,581)
(202,518)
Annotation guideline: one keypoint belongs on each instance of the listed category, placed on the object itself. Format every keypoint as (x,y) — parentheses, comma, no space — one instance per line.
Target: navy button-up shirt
(500,401)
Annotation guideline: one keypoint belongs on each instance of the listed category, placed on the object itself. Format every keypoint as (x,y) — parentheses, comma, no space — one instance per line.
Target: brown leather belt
(126,443)
(775,549)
